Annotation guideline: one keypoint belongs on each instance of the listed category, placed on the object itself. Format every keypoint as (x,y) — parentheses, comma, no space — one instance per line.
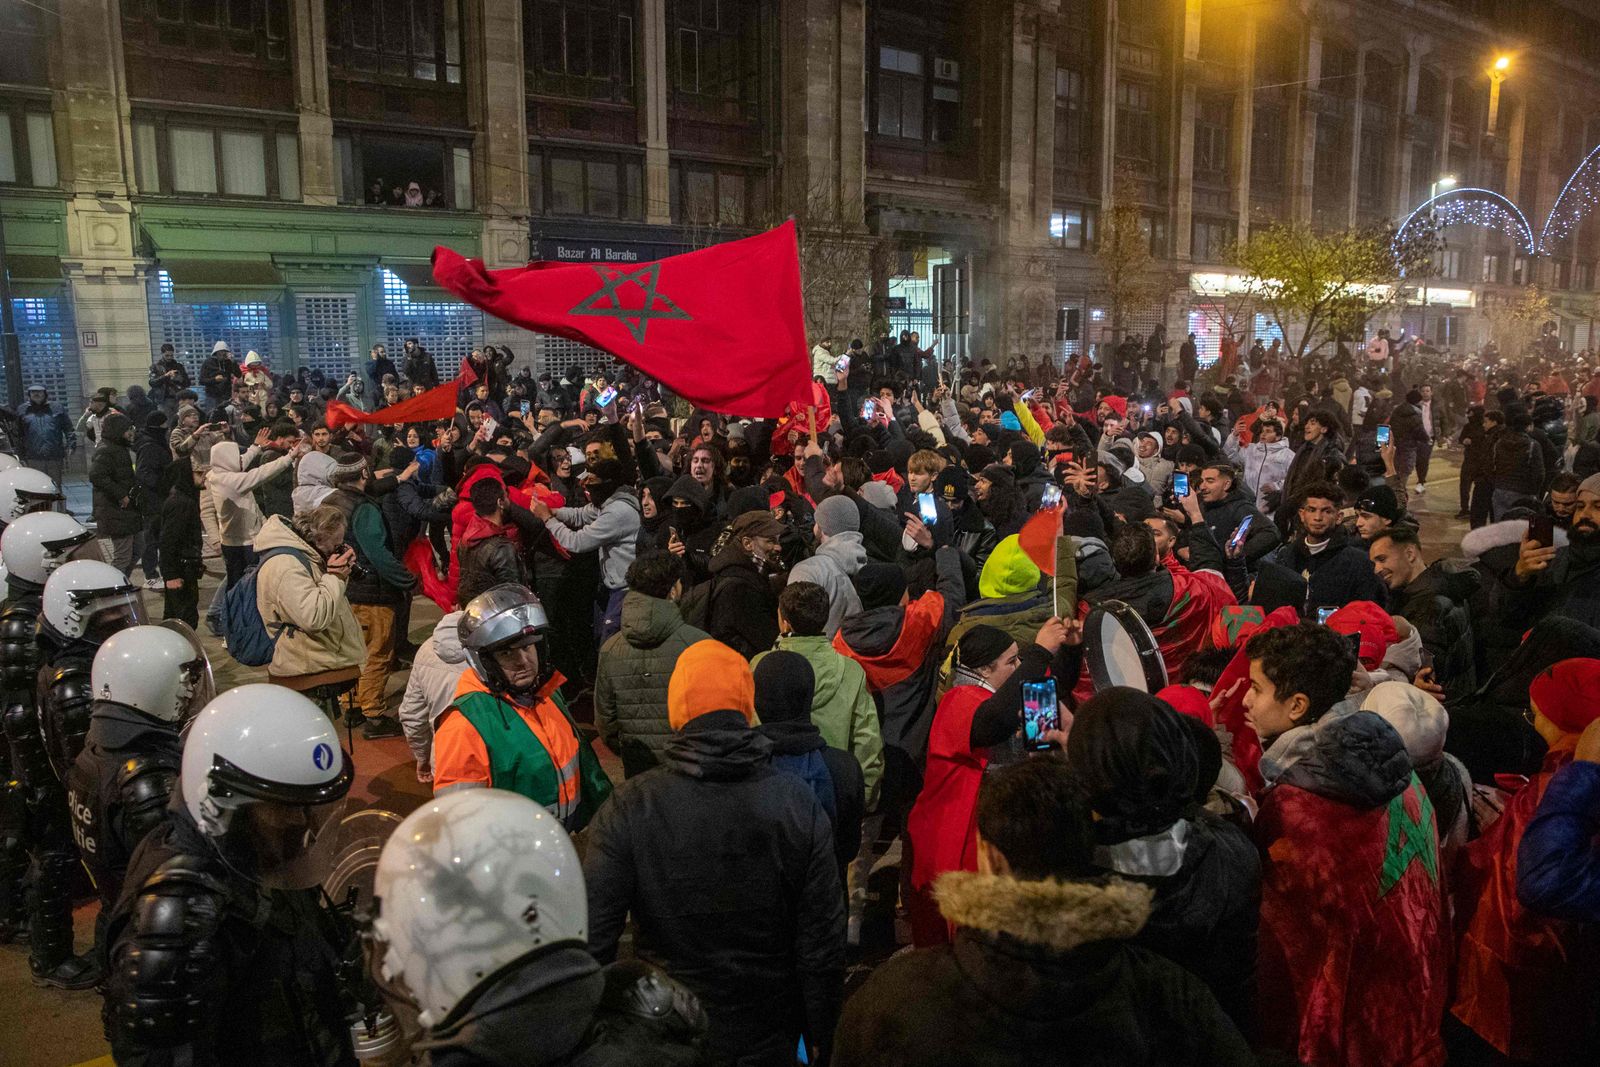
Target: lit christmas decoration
(1473,207)
(1578,197)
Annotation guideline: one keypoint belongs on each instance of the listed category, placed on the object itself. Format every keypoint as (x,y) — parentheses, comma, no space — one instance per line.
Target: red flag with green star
(721,326)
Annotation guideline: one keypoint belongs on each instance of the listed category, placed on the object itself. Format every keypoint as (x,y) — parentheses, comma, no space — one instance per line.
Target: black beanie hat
(785,686)
(1192,454)
(979,457)
(401,457)
(981,646)
(1381,500)
(879,585)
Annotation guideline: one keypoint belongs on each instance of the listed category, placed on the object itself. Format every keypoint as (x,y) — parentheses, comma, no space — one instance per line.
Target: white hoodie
(435,671)
(311,481)
(231,486)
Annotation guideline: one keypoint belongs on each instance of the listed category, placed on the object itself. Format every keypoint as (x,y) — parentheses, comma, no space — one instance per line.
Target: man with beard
(1226,503)
(1561,581)
(1433,598)
(1562,500)
(1327,556)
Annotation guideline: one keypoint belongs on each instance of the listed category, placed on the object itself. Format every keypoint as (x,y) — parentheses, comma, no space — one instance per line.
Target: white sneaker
(1422,488)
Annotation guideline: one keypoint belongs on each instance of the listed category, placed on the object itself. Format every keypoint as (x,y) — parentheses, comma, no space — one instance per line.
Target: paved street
(64,1028)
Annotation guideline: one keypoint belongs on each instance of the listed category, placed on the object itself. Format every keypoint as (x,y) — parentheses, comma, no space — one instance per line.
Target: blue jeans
(608,614)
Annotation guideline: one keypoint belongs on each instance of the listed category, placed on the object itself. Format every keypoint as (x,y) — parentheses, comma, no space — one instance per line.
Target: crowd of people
(852,665)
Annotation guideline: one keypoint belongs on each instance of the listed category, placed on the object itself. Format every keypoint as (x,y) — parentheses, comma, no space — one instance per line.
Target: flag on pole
(1037,538)
(721,326)
(435,404)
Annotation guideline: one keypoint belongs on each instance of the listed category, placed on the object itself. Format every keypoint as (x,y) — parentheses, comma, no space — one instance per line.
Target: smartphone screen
(1051,497)
(1180,484)
(1039,713)
(1239,534)
(605,398)
(1383,435)
(869,409)
(842,364)
(526,407)
(1148,408)
(1324,614)
(1542,530)
(926,509)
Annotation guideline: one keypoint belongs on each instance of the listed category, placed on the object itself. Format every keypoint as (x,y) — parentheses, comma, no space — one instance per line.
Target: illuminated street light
(1502,63)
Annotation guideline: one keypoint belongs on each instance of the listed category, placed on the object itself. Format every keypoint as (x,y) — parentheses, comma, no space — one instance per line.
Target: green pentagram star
(656,305)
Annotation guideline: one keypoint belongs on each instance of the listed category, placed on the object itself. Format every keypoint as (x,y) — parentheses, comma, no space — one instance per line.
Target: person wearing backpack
(304,587)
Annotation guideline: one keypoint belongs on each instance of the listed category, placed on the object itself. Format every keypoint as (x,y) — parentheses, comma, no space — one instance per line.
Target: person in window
(375,193)
(434,198)
(413,195)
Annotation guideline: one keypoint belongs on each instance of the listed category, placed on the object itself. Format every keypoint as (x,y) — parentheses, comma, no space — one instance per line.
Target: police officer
(220,950)
(85,601)
(24,490)
(148,681)
(517,984)
(33,806)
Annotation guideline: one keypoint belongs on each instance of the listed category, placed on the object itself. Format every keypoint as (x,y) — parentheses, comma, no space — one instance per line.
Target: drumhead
(1122,650)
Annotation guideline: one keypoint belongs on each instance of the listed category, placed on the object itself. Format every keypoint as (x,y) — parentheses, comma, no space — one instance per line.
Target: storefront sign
(565,250)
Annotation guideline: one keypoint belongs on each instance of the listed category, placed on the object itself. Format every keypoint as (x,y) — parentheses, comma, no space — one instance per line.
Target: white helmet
(23,489)
(265,750)
(37,543)
(160,671)
(86,598)
(471,881)
(5,586)
(9,462)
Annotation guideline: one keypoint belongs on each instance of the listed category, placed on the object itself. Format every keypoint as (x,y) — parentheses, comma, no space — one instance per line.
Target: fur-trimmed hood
(1496,534)
(1058,916)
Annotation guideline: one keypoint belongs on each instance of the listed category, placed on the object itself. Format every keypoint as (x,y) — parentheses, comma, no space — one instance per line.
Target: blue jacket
(46,433)
(1558,862)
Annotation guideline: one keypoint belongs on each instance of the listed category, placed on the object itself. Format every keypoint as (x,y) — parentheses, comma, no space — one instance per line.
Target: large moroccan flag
(722,326)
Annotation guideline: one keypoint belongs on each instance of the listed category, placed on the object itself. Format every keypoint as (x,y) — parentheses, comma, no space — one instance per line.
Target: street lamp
(1444,181)
(1497,74)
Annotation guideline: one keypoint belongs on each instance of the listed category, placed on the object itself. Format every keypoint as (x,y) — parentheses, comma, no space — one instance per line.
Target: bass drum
(1122,650)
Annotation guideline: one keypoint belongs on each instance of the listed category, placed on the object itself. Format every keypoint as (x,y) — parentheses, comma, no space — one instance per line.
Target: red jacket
(1520,976)
(942,829)
(1354,965)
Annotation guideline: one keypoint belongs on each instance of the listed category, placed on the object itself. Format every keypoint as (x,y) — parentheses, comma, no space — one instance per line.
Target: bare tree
(835,265)
(1124,254)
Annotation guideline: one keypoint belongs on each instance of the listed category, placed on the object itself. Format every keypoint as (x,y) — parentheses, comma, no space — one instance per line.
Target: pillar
(319,181)
(1303,129)
(497,106)
(1108,108)
(654,86)
(1400,163)
(1353,194)
(1516,132)
(103,269)
(1188,72)
(1014,286)
(1244,120)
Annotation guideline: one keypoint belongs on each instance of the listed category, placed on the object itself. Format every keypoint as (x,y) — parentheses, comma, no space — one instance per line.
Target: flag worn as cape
(435,404)
(721,326)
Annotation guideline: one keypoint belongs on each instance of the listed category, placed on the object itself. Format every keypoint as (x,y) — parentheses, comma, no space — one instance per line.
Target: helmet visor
(31,500)
(198,685)
(294,845)
(83,545)
(107,611)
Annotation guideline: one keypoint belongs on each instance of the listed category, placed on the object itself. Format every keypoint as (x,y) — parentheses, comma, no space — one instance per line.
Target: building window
(1135,122)
(27,147)
(380,170)
(1584,280)
(1449,263)
(946,109)
(1072,118)
(1519,270)
(900,91)
(175,154)
(1071,227)
(254,29)
(707,196)
(714,49)
(1491,269)
(1266,146)
(418,40)
(581,49)
(1211,238)
(1211,130)
(1154,228)
(599,187)
(1369,177)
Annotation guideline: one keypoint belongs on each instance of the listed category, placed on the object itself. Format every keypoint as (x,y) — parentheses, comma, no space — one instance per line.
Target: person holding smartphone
(972,726)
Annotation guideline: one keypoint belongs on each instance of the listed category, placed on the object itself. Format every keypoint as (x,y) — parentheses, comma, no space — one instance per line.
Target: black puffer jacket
(727,867)
(1040,973)
(1225,515)
(116,490)
(1338,574)
(743,609)
(1436,604)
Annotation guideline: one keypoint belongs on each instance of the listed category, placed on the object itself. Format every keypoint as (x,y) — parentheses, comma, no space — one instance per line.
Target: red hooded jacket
(942,829)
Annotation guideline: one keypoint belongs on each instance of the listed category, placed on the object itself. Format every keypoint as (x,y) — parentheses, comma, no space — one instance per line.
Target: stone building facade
(184,170)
